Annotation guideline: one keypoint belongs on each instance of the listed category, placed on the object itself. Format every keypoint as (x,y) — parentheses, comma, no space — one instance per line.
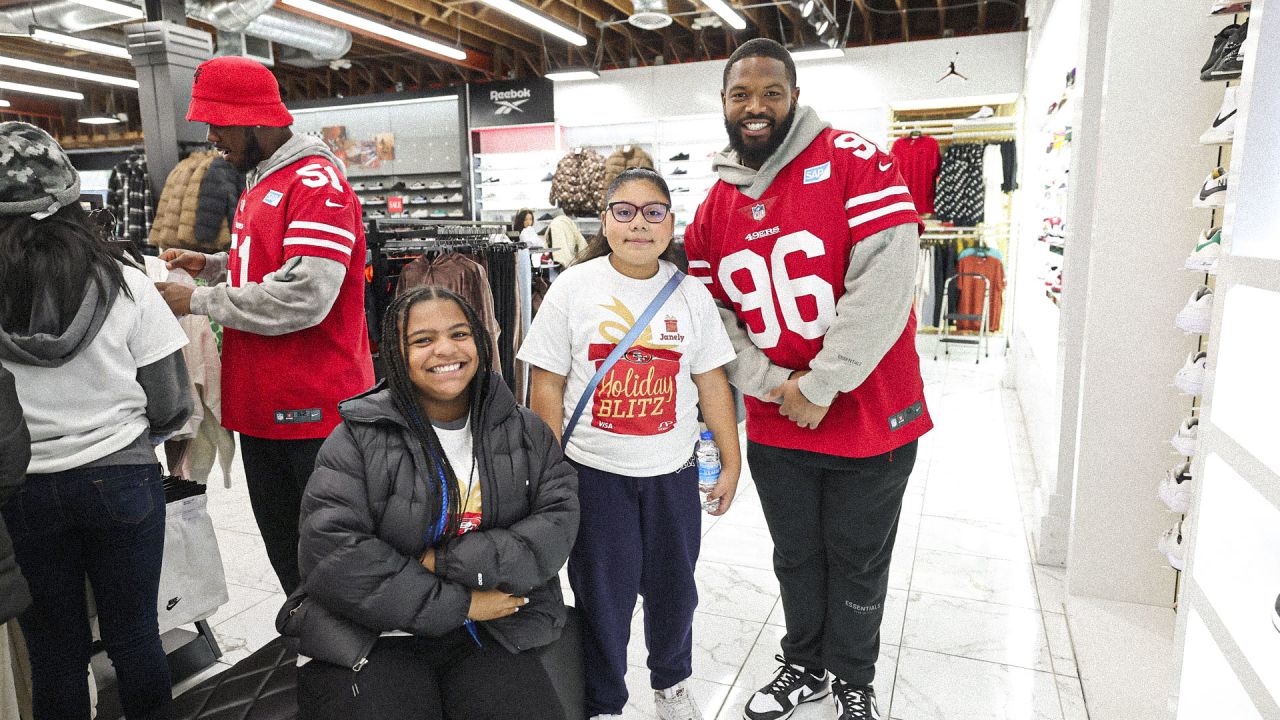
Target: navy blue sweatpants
(637,536)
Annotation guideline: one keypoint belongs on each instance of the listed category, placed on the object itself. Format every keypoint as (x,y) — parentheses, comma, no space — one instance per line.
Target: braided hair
(404,393)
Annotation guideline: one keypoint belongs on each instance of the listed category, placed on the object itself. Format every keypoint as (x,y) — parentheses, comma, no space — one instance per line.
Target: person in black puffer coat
(15,453)
(418,603)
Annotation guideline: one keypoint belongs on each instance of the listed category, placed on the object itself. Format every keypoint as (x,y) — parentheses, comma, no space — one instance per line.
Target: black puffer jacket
(365,517)
(15,453)
(219,193)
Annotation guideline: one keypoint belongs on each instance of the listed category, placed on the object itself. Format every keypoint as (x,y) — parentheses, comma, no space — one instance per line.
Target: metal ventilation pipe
(62,15)
(257,18)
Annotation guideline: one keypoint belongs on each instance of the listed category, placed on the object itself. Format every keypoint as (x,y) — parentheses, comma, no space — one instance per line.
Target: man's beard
(252,151)
(758,154)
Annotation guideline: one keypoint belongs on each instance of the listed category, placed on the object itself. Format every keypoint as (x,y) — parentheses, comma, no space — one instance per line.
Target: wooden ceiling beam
(942,17)
(902,15)
(867,36)
(982,15)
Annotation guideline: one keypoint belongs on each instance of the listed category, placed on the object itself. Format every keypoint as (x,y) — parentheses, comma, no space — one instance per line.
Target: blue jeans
(106,523)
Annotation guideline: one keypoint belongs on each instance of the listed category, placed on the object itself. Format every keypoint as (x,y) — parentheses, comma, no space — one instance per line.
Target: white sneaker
(1223,128)
(604,717)
(1175,489)
(1190,379)
(1184,441)
(1173,545)
(675,703)
(983,113)
(1197,314)
(1207,253)
(1213,194)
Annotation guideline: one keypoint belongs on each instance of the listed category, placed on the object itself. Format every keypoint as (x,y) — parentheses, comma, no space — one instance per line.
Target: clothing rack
(995,129)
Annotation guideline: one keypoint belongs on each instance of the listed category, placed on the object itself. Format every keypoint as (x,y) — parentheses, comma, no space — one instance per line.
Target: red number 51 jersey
(780,263)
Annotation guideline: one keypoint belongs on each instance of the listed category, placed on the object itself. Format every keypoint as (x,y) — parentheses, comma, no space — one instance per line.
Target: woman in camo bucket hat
(36,178)
(97,360)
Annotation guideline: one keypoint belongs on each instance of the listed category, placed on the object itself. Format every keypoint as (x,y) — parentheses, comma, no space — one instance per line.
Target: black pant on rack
(500,263)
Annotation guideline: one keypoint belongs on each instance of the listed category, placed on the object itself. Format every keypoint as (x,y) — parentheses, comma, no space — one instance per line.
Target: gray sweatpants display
(833,521)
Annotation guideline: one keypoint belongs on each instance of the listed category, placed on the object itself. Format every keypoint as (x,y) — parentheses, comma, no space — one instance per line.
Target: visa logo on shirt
(817,173)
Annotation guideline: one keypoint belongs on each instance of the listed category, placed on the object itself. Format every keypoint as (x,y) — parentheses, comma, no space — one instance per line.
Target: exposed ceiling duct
(257,18)
(649,14)
(64,15)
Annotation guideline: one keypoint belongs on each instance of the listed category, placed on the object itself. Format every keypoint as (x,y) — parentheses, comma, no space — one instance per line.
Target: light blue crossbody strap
(625,344)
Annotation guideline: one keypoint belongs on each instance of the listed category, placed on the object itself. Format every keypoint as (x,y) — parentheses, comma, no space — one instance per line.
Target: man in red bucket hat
(290,294)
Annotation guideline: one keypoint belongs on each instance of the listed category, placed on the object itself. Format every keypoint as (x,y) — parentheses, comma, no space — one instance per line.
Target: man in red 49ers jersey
(295,341)
(808,242)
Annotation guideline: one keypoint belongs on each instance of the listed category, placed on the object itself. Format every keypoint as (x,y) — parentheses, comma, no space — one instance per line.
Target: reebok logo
(509,101)
(173,602)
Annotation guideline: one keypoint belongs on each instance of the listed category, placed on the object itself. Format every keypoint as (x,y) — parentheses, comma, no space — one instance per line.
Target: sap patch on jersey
(817,173)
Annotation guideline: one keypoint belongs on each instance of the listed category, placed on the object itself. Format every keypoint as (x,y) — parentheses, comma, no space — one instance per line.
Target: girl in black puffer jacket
(432,532)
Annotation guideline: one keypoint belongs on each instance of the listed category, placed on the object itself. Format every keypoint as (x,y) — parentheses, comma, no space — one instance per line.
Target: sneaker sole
(1183,447)
(1193,323)
(811,698)
(1209,266)
(1189,387)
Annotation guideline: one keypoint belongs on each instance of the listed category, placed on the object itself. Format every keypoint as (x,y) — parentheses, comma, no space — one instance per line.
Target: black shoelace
(858,700)
(788,675)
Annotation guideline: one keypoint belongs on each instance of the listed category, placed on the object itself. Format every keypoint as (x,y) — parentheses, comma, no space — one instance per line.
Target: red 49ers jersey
(780,262)
(287,387)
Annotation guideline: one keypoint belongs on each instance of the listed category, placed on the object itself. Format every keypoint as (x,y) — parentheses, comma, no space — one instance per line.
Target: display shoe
(456,213)
(1208,250)
(1230,62)
(544,217)
(675,703)
(454,184)
(436,185)
(1190,379)
(442,198)
(1184,441)
(420,214)
(454,198)
(1219,42)
(375,215)
(604,717)
(1175,489)
(679,171)
(1197,314)
(1223,128)
(418,200)
(418,186)
(375,200)
(1213,194)
(1275,614)
(854,702)
(790,688)
(357,186)
(439,213)
(983,113)
(679,157)
(1173,545)
(374,186)
(1228,7)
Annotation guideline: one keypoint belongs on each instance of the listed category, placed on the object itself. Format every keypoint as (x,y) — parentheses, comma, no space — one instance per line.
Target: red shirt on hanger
(918,159)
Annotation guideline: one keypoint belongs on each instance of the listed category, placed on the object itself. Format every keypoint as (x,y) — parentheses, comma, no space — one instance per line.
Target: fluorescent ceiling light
(542,22)
(726,13)
(822,26)
(99,120)
(816,54)
(54,37)
(124,10)
(37,90)
(565,75)
(383,103)
(372,26)
(4,103)
(807,10)
(68,72)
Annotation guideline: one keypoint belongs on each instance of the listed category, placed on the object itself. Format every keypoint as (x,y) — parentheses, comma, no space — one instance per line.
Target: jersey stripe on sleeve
(333,229)
(317,242)
(700,269)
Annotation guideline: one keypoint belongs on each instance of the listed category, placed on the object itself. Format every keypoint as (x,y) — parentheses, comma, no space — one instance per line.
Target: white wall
(867,78)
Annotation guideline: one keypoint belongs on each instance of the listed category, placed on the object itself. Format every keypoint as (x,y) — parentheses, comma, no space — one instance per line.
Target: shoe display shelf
(424,195)
(510,181)
(1228,636)
(1053,173)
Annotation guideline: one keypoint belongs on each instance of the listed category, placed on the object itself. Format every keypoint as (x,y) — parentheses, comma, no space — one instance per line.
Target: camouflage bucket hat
(36,177)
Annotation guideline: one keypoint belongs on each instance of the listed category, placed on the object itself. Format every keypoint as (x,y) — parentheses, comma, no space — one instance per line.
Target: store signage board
(512,102)
(395,204)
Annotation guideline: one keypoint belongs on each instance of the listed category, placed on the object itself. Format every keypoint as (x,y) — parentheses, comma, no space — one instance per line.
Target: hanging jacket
(565,239)
(217,206)
(164,231)
(190,201)
(960,197)
(363,523)
(578,184)
(460,274)
(15,453)
(625,158)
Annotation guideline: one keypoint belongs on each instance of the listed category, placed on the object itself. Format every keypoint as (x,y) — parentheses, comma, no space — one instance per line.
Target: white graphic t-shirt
(643,417)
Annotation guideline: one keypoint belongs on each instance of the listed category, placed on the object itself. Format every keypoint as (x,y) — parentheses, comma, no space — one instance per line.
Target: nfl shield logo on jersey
(757,212)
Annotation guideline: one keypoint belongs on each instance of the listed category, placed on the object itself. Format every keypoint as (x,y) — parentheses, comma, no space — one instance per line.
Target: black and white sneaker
(1213,193)
(792,687)
(1275,614)
(1229,63)
(854,702)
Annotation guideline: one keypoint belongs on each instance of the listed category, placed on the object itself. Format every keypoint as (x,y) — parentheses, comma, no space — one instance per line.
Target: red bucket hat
(235,91)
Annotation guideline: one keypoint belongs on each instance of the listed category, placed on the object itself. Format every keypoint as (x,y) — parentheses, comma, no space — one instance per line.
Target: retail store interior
(1091,530)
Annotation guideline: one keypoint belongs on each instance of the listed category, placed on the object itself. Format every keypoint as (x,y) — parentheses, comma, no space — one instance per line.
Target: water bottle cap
(706,435)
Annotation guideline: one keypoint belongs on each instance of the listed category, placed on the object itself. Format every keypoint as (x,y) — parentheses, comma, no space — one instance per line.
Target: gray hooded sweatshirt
(298,295)
(879,287)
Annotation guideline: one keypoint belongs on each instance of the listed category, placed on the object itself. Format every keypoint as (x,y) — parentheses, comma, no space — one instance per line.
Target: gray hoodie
(872,312)
(298,295)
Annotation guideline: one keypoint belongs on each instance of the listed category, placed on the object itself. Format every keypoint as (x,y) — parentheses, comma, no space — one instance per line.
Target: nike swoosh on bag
(1219,120)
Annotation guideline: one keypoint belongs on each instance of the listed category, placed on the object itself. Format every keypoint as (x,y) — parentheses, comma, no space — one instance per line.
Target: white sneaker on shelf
(1173,545)
(1213,194)
(1207,253)
(604,717)
(1223,128)
(1175,489)
(1197,314)
(1184,441)
(675,703)
(983,113)
(1190,378)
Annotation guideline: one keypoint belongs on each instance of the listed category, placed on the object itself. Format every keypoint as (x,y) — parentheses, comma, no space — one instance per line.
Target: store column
(165,56)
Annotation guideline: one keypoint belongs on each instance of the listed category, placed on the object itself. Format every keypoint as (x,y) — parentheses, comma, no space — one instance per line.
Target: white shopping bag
(192,583)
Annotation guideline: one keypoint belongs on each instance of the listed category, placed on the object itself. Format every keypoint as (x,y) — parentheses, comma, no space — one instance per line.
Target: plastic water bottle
(708,457)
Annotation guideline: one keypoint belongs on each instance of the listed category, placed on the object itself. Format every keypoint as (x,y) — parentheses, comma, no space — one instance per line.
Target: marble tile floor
(972,628)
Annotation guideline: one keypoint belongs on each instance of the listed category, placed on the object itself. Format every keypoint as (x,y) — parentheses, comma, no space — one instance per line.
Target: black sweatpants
(276,472)
(833,521)
(418,678)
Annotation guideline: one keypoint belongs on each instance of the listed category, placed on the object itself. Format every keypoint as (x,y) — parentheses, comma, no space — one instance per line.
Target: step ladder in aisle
(980,341)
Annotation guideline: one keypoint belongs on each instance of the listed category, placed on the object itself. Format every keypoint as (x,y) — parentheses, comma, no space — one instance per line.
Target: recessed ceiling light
(38,90)
(53,37)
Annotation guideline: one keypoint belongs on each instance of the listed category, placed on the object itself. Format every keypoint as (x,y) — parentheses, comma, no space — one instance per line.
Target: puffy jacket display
(197,204)
(578,184)
(164,230)
(366,514)
(15,453)
(625,158)
(218,194)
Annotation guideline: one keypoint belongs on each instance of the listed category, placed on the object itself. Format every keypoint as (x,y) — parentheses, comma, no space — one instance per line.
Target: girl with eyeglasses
(633,445)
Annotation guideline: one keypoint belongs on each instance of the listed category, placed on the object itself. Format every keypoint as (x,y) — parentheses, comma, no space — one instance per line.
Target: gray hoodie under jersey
(879,287)
(298,295)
